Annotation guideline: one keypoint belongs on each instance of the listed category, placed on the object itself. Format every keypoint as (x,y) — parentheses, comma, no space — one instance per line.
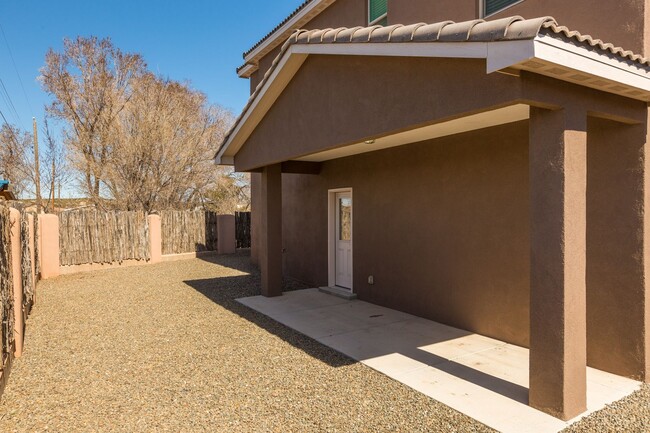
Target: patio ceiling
(500,116)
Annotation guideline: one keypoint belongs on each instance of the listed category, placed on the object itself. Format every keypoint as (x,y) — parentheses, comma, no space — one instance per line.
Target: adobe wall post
(558,188)
(270,234)
(226,237)
(49,226)
(155,239)
(16,262)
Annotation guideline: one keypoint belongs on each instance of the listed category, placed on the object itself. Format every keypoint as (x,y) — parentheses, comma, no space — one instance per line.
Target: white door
(343,240)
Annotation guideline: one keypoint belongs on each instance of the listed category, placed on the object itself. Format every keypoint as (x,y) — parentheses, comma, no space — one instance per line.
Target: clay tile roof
(554,28)
(269,34)
(505,29)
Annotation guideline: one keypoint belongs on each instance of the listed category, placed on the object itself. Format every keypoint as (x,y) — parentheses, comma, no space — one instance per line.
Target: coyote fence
(188,231)
(6,295)
(89,236)
(28,278)
(243,229)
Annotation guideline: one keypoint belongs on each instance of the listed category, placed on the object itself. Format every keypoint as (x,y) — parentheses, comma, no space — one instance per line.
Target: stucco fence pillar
(49,243)
(16,263)
(155,239)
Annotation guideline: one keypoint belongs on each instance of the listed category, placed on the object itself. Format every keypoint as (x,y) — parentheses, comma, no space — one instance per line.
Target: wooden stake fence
(188,231)
(243,229)
(91,236)
(6,296)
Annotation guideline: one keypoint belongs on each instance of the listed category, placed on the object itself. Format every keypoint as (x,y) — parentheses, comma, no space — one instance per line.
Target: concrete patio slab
(481,377)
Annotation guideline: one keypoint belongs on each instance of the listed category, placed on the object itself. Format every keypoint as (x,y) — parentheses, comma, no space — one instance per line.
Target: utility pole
(37,170)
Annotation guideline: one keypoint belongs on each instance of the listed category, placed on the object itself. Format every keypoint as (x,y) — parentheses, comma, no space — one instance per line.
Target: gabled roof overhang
(306,12)
(511,45)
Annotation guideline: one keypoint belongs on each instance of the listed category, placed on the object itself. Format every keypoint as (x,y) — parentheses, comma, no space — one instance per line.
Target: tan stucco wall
(618,22)
(442,226)
(349,98)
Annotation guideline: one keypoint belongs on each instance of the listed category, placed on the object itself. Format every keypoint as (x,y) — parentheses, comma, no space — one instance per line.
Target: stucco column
(16,261)
(270,236)
(558,169)
(155,238)
(50,260)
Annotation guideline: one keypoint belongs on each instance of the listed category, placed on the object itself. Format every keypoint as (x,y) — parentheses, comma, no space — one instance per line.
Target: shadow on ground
(224,291)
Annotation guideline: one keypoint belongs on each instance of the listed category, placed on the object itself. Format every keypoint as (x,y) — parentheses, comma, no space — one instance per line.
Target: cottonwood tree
(165,140)
(16,158)
(230,193)
(55,172)
(91,83)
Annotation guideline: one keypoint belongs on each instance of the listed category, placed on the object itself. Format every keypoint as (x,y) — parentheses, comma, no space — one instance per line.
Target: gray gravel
(165,348)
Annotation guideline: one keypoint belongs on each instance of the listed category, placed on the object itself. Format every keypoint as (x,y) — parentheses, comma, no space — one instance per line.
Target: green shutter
(376,9)
(493,6)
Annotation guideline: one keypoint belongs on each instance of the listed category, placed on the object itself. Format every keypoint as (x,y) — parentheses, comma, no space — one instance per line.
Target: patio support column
(270,246)
(558,354)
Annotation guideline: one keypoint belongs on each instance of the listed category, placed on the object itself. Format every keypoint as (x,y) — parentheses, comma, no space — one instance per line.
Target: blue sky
(196,40)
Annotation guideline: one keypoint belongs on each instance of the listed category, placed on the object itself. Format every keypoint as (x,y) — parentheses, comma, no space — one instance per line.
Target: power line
(8,101)
(11,130)
(11,55)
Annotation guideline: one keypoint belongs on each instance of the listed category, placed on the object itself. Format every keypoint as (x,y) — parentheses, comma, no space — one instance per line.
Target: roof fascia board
(503,55)
(463,50)
(247,70)
(289,25)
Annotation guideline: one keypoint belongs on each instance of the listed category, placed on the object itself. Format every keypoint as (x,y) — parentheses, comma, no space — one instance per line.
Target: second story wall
(620,22)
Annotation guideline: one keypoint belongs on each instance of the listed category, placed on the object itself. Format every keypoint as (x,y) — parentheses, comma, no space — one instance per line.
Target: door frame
(331,233)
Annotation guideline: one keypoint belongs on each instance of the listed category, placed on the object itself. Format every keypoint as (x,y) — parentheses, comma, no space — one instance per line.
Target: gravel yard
(166,348)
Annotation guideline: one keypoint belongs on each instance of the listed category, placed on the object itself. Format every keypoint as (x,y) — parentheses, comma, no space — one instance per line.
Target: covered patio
(577,109)
(478,376)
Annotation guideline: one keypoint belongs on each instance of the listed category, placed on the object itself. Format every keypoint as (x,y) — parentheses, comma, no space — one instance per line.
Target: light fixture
(370,141)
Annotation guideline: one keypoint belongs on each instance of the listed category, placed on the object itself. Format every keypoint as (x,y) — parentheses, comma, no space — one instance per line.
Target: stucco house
(453,160)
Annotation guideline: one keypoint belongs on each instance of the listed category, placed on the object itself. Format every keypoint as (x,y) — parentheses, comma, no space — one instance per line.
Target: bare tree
(90,82)
(230,193)
(164,144)
(16,158)
(56,173)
